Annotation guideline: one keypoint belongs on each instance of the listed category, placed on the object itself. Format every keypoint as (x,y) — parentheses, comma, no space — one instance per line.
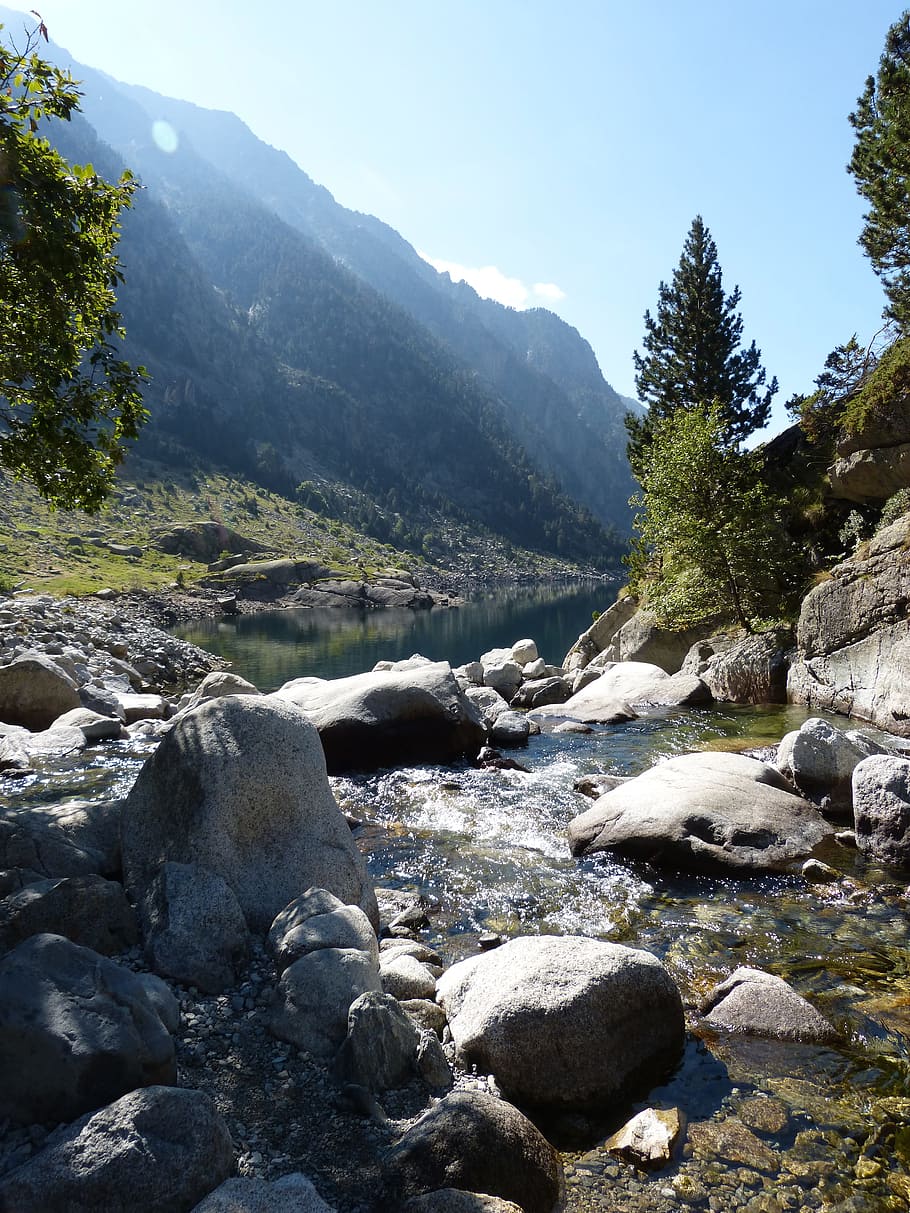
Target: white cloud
(490,282)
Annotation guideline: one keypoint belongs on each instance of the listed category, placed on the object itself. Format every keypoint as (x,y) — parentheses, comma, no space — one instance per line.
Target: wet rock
(94,725)
(76,1030)
(291,1194)
(703,812)
(881,807)
(765,1115)
(193,927)
(478,1144)
(510,729)
(647,1140)
(380,719)
(452,1200)
(34,691)
(239,786)
(563,1021)
(761,1004)
(731,1141)
(88,910)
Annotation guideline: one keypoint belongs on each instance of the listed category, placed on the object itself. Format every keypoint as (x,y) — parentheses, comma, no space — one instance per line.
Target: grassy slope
(38,548)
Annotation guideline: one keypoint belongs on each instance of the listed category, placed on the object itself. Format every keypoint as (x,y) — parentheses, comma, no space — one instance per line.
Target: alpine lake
(770,1125)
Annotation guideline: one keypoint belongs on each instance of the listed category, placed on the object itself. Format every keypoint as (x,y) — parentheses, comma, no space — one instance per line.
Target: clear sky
(556,151)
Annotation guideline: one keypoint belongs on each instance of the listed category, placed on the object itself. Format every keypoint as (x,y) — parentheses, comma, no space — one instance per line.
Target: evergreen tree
(692,352)
(67,400)
(881,166)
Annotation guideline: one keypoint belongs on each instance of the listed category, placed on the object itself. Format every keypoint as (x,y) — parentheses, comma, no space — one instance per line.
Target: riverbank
(758,1132)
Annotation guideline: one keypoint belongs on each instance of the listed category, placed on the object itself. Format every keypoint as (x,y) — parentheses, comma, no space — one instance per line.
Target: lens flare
(165,136)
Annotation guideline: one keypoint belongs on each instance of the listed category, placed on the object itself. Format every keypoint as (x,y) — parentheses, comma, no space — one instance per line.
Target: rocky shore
(206,1003)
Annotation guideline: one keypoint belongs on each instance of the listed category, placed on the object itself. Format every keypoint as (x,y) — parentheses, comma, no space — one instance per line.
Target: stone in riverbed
(563,1021)
(628,683)
(647,1139)
(88,910)
(881,808)
(710,812)
(761,1004)
(455,1200)
(34,691)
(239,786)
(160,1148)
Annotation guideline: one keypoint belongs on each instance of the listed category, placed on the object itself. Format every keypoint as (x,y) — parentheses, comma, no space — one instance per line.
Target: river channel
(771,1126)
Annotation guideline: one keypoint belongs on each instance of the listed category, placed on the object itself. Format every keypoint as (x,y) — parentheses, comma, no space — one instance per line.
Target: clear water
(487,850)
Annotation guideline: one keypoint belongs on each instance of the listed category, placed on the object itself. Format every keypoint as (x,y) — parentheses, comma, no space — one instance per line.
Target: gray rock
(97,698)
(711,812)
(872,475)
(476,1143)
(380,1049)
(643,639)
(34,692)
(820,759)
(432,1063)
(76,1030)
(510,729)
(621,687)
(751,670)
(405,977)
(563,1021)
(315,994)
(135,706)
(853,636)
(453,1200)
(761,1004)
(94,725)
(218,684)
(159,995)
(88,910)
(524,652)
(193,927)
(291,1194)
(73,838)
(600,634)
(425,1014)
(239,786)
(160,1148)
(881,809)
(379,719)
(55,742)
(540,692)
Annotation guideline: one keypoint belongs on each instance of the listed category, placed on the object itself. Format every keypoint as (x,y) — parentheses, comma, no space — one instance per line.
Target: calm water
(271,647)
(487,849)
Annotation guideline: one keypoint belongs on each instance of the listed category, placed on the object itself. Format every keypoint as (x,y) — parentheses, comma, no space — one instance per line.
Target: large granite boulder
(760,1004)
(389,716)
(623,686)
(34,691)
(820,759)
(874,475)
(88,910)
(160,1148)
(752,669)
(564,1021)
(711,812)
(642,638)
(600,634)
(203,541)
(76,1030)
(239,787)
(477,1143)
(853,636)
(881,808)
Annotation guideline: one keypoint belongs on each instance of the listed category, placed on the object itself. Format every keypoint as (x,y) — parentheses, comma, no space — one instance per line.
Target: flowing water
(771,1125)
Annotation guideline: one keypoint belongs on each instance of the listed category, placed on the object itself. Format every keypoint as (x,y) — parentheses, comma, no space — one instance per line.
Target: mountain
(270,356)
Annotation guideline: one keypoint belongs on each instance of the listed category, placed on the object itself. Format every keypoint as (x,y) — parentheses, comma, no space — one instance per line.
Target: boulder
(94,725)
(564,1022)
(76,1030)
(874,475)
(34,691)
(193,927)
(600,634)
(607,700)
(453,1200)
(315,994)
(239,786)
(218,684)
(539,692)
(503,676)
(88,910)
(380,1049)
(432,1063)
(477,1143)
(388,717)
(853,636)
(510,729)
(406,977)
(72,838)
(135,706)
(644,639)
(711,812)
(489,703)
(161,1148)
(524,652)
(881,808)
(761,1004)
(647,1140)
(315,920)
(291,1194)
(750,670)
(819,759)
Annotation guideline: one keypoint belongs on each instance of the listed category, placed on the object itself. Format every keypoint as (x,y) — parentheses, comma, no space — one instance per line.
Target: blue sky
(556,152)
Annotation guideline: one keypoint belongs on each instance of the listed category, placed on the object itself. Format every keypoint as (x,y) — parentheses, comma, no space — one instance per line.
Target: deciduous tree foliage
(711,537)
(880,165)
(693,351)
(68,402)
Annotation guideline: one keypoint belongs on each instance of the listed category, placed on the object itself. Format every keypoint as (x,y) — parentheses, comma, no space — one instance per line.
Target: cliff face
(853,636)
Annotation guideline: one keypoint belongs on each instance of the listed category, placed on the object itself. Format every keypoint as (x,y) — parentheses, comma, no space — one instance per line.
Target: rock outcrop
(854,636)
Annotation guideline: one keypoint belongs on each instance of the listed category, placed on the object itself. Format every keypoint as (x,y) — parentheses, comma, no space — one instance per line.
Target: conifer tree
(880,165)
(693,355)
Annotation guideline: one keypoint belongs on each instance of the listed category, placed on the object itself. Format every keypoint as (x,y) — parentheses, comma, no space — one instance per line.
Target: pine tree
(692,351)
(881,166)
